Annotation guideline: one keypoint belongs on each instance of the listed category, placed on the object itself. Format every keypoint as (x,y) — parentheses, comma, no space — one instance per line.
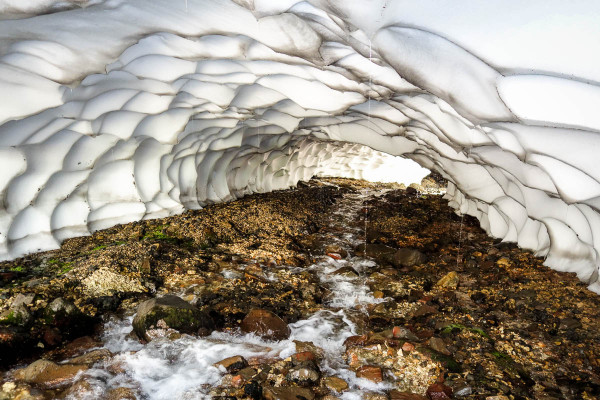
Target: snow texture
(113,111)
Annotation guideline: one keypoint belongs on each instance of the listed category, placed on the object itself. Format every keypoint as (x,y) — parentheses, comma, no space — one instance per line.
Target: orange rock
(370,372)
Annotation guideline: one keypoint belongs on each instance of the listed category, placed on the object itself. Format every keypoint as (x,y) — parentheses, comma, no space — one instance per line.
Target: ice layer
(119,110)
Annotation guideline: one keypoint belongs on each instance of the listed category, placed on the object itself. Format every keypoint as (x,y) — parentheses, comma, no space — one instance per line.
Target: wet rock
(400,332)
(375,396)
(121,393)
(370,372)
(253,390)
(232,364)
(302,347)
(305,374)
(287,393)
(449,281)
(336,249)
(48,374)
(496,398)
(304,356)
(569,324)
(408,258)
(265,324)
(335,384)
(92,357)
(174,313)
(397,395)
(438,345)
(439,391)
(347,272)
(12,341)
(379,252)
(68,319)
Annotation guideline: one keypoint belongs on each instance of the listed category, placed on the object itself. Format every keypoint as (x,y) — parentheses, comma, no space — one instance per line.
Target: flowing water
(183,368)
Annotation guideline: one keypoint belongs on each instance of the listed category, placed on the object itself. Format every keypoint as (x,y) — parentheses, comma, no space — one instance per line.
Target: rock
(48,374)
(375,396)
(335,384)
(347,272)
(336,249)
(370,372)
(496,398)
(569,324)
(424,310)
(463,391)
(400,332)
(121,393)
(397,395)
(232,364)
(175,313)
(380,252)
(438,345)
(92,357)
(253,390)
(356,340)
(408,258)
(64,316)
(449,281)
(439,391)
(105,282)
(306,374)
(408,347)
(17,316)
(287,393)
(265,324)
(302,347)
(303,357)
(24,299)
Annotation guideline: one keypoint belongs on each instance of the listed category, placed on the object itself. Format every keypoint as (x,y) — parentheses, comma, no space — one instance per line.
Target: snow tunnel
(112,111)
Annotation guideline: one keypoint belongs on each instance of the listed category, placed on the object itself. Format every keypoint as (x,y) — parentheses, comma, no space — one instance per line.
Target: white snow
(113,111)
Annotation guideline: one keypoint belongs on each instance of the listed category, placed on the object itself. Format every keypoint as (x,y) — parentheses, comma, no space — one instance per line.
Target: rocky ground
(454,314)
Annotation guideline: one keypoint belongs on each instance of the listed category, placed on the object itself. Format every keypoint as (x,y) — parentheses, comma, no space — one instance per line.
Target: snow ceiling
(119,110)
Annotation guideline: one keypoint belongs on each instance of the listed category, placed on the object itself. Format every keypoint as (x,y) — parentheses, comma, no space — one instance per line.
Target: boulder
(171,312)
(408,258)
(48,374)
(287,393)
(232,364)
(265,324)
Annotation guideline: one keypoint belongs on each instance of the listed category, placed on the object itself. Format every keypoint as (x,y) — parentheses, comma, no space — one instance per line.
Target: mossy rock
(176,314)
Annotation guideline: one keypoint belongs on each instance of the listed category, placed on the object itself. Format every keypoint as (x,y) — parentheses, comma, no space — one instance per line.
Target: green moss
(448,330)
(17,268)
(11,319)
(102,246)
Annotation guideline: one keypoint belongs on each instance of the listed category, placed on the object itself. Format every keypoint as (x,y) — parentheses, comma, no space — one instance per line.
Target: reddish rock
(408,346)
(335,256)
(265,324)
(397,395)
(439,391)
(356,341)
(304,356)
(371,373)
(48,374)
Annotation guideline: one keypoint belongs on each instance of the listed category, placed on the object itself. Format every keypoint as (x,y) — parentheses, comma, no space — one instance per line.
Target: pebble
(449,281)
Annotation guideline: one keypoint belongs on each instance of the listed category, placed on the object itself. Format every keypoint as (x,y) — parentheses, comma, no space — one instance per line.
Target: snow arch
(112,111)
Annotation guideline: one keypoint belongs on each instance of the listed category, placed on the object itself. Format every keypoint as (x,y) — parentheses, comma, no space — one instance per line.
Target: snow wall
(119,110)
